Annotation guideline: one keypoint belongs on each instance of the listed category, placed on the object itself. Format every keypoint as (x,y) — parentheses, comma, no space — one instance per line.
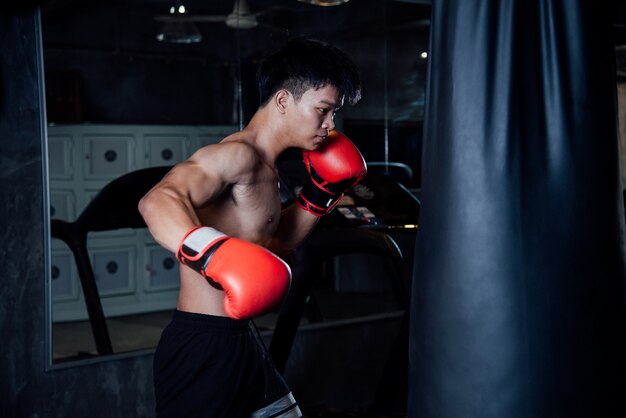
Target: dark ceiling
(131,26)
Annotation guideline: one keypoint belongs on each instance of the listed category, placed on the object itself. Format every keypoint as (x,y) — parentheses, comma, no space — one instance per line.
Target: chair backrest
(399,171)
(115,206)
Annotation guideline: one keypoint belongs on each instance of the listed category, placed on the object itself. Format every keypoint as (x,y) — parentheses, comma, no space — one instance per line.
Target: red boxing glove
(253,278)
(334,167)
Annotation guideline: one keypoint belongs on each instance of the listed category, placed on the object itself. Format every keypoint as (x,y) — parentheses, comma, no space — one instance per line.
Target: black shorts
(212,366)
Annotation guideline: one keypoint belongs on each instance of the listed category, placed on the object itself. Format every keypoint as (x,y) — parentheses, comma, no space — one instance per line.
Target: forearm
(295,226)
(168,217)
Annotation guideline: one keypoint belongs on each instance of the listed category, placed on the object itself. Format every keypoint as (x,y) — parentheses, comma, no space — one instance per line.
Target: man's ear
(282,99)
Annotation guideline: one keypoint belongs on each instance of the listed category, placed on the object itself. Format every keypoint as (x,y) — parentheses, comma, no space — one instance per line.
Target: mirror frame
(50,362)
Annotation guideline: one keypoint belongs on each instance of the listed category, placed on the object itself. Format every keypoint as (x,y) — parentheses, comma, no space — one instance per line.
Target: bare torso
(249,211)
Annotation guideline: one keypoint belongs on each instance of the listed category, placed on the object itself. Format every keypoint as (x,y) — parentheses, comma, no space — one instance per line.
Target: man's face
(313,115)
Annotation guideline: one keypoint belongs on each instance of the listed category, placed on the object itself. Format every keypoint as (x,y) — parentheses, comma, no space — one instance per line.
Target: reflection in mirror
(133,88)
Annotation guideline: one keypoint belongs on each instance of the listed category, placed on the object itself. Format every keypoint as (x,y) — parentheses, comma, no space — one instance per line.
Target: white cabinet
(114,270)
(107,157)
(63,274)
(133,273)
(161,269)
(165,149)
(62,204)
(61,165)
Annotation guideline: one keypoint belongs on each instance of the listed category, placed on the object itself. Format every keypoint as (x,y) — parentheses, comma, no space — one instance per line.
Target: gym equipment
(517,304)
(114,207)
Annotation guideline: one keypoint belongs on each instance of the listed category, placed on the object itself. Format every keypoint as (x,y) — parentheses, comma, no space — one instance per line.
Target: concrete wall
(621,115)
(27,389)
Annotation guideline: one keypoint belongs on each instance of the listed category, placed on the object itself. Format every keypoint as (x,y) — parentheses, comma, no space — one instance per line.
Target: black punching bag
(518,290)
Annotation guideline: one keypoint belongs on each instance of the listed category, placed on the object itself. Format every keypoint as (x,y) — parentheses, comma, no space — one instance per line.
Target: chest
(261,196)
(247,210)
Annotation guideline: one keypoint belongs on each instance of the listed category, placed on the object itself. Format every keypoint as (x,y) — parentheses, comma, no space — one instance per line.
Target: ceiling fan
(240,18)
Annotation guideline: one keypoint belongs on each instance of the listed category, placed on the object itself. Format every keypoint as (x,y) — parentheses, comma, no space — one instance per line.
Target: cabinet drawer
(108,157)
(114,271)
(161,269)
(64,277)
(165,150)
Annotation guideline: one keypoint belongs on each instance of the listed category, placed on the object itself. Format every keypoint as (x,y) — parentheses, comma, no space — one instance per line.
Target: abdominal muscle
(249,219)
(197,295)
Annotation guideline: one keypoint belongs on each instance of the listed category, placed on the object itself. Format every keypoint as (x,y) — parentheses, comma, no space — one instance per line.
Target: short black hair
(302,64)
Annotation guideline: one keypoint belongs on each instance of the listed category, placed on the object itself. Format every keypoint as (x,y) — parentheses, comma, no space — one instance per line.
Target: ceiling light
(179,31)
(324,2)
(240,17)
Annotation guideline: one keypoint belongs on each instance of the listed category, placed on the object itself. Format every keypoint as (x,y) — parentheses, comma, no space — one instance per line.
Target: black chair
(114,207)
(401,172)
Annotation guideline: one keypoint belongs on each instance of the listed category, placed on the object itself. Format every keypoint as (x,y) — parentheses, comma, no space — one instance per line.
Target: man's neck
(265,132)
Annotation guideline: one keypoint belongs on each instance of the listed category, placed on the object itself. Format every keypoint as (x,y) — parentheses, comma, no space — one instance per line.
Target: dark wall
(143,89)
(125,76)
(22,253)
(155,89)
(196,88)
(26,388)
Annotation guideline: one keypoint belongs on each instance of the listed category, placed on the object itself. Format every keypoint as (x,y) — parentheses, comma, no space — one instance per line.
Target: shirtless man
(220,212)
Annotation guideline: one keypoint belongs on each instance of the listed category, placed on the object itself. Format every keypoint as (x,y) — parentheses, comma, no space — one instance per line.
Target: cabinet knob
(167,154)
(55,272)
(110,155)
(168,263)
(112,267)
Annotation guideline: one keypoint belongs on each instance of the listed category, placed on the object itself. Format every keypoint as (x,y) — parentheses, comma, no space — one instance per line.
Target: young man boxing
(220,213)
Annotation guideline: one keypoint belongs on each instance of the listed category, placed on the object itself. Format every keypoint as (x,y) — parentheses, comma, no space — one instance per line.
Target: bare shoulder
(229,158)
(233,145)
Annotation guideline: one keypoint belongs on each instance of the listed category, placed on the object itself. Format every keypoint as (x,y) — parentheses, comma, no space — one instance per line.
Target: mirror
(130,86)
